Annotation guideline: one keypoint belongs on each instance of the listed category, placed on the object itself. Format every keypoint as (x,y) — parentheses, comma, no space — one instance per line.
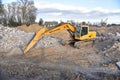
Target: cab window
(84,31)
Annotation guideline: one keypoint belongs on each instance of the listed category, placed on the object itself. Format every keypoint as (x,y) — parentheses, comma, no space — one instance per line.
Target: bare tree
(28,11)
(1,11)
(10,14)
(21,12)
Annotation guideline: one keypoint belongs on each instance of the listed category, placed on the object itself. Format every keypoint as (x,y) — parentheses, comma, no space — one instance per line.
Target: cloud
(55,14)
(74,12)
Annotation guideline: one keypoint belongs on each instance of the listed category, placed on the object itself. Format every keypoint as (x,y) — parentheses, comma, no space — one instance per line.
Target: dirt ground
(91,62)
(30,28)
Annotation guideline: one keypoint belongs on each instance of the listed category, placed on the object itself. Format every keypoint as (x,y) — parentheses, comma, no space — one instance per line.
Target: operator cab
(81,31)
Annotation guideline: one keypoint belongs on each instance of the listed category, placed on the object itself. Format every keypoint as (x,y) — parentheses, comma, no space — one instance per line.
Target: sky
(77,10)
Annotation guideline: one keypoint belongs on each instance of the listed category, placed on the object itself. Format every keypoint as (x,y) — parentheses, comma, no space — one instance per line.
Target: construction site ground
(50,60)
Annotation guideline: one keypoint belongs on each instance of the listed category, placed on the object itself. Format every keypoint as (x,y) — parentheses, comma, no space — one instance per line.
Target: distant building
(51,23)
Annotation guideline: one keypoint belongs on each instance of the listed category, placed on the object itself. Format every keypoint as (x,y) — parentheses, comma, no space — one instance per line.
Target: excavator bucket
(37,36)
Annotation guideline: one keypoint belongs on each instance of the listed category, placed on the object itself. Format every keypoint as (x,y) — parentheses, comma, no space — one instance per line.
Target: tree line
(18,13)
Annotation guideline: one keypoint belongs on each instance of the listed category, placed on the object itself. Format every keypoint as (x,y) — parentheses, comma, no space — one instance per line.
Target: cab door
(78,31)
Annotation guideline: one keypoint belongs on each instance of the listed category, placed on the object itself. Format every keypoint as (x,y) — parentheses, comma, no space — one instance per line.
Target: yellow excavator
(79,33)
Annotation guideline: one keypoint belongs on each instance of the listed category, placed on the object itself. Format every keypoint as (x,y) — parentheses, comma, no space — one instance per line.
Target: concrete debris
(117,34)
(48,41)
(11,37)
(118,64)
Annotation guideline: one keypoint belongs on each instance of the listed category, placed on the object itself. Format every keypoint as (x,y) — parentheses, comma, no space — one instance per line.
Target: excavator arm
(43,32)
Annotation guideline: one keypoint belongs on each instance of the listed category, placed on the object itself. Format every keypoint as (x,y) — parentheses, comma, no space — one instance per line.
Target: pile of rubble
(48,41)
(12,37)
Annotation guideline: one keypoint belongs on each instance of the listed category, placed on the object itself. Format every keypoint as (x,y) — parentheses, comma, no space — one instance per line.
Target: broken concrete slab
(118,65)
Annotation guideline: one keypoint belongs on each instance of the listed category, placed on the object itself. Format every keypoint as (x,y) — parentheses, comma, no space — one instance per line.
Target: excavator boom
(36,37)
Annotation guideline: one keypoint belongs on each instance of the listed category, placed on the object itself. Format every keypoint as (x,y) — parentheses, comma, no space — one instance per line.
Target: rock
(116,45)
(117,34)
(15,51)
(118,64)
(1,37)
